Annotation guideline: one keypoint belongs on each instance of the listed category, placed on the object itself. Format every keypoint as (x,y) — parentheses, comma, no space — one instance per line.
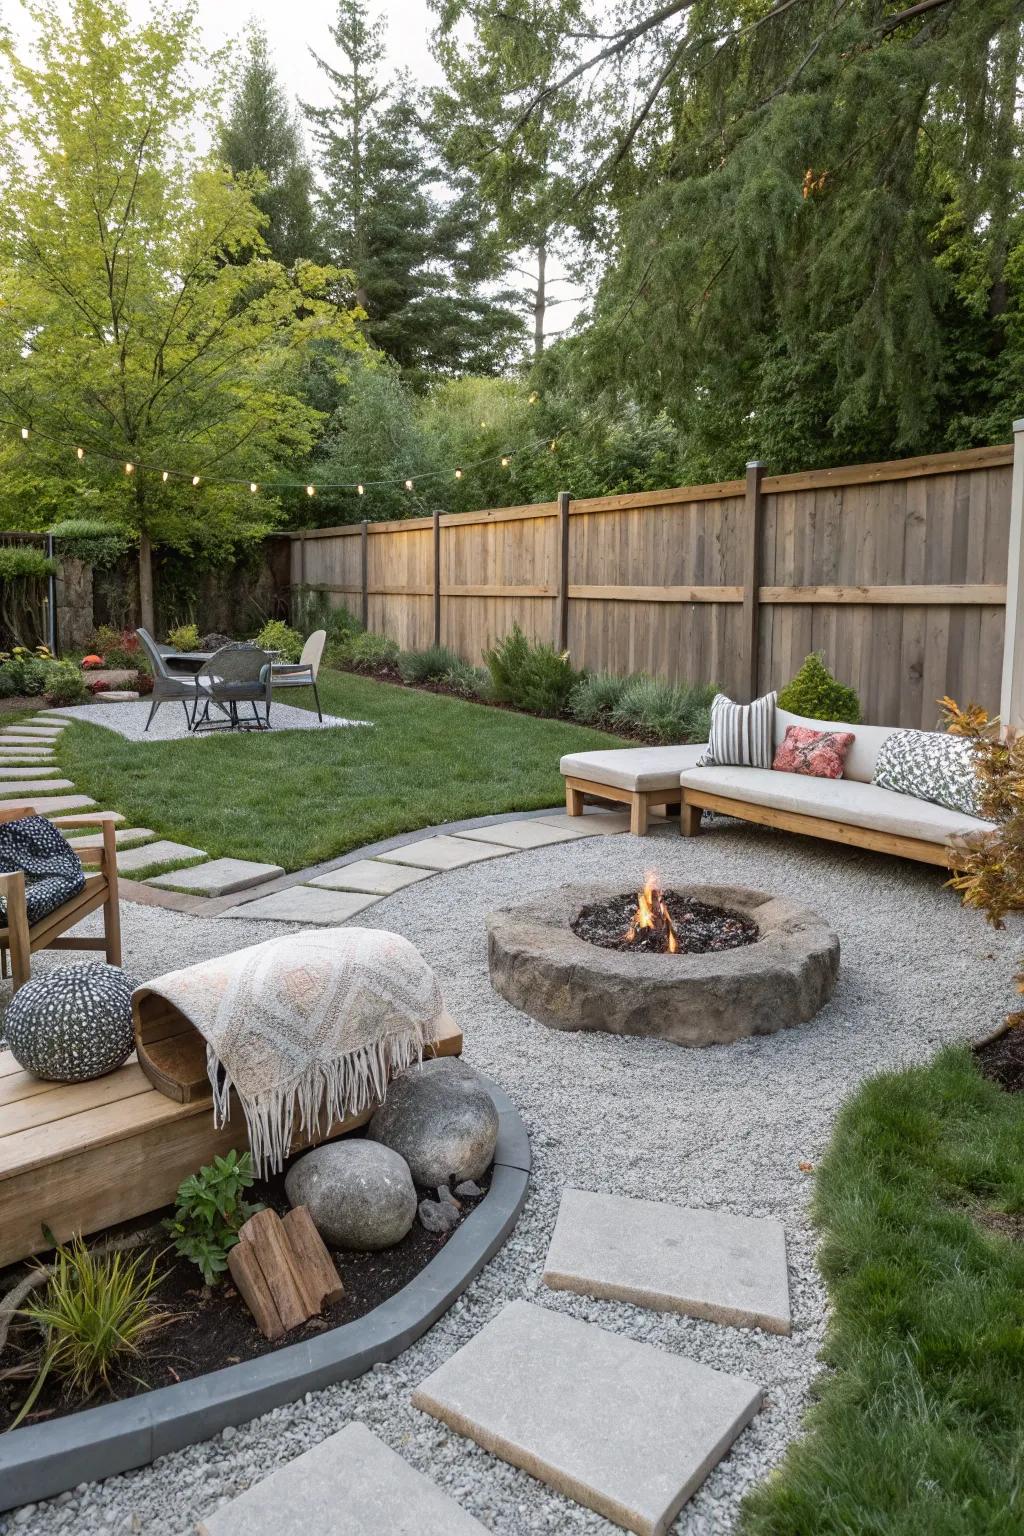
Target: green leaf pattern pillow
(930,766)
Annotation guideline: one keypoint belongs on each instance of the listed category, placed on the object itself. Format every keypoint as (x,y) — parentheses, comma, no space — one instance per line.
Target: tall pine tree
(427,271)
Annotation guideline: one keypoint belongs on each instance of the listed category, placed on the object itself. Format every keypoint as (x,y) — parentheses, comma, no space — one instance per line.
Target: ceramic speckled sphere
(74,1024)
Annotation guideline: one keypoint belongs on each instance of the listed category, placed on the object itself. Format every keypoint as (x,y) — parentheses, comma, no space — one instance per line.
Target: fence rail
(898,571)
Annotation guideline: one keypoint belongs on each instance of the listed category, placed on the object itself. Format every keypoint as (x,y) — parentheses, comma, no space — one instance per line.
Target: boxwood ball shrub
(184,637)
(814,692)
(276,635)
(65,685)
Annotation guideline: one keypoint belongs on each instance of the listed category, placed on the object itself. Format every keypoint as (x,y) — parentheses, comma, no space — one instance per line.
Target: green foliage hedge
(532,677)
(99,544)
(22,562)
(814,692)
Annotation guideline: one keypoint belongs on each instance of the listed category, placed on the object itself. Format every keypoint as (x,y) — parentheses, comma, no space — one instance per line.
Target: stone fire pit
(541,966)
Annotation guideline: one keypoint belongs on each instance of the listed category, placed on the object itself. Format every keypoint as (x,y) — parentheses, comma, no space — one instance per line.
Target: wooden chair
(100,865)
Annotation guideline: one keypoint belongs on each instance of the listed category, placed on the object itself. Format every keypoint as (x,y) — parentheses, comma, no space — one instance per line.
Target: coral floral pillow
(820,754)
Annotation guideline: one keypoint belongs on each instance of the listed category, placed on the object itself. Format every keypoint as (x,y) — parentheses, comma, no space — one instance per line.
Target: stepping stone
(304,904)
(51,727)
(591,823)
(26,739)
(623,1428)
(34,787)
(709,1264)
(220,877)
(52,805)
(371,877)
(522,834)
(351,1484)
(161,852)
(26,771)
(117,696)
(442,852)
(122,836)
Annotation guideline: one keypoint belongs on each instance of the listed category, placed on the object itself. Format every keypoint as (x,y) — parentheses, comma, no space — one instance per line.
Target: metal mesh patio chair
(303,674)
(236,675)
(168,685)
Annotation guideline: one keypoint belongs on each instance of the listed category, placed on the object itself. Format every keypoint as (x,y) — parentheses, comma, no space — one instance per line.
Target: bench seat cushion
(633,768)
(859,805)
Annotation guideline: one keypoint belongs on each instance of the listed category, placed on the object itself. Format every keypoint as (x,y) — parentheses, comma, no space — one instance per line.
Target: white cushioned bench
(640,777)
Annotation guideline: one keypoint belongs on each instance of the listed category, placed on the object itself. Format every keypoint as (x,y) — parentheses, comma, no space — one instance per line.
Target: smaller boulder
(439,1216)
(360,1194)
(441,1119)
(469,1189)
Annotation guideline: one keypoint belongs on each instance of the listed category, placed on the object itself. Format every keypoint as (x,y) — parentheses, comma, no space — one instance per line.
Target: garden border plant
(41,1460)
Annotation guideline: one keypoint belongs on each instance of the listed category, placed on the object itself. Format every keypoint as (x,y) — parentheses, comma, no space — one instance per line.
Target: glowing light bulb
(253,487)
(24,434)
(408,485)
(533,398)
(458,474)
(81,454)
(165,477)
(484,425)
(552,445)
(129,468)
(310,490)
(505,461)
(195,479)
(360,490)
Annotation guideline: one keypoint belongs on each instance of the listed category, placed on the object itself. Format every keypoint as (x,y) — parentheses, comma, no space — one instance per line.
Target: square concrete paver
(34,786)
(444,852)
(371,877)
(591,823)
(621,1427)
(161,852)
(53,805)
(351,1484)
(220,877)
(709,1264)
(522,834)
(303,904)
(122,836)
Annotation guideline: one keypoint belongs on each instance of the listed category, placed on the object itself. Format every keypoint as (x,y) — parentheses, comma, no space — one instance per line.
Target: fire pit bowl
(781,978)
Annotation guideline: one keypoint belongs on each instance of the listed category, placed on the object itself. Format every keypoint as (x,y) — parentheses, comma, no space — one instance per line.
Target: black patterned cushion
(53,873)
(930,766)
(73,1024)
(741,735)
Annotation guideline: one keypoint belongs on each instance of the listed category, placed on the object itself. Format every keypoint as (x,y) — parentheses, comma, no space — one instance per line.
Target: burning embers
(650,928)
(657,922)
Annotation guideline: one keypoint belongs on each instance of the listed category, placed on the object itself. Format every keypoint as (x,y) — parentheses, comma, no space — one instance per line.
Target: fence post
(51,600)
(562,606)
(364,572)
(1011,698)
(749,637)
(437,577)
(302,558)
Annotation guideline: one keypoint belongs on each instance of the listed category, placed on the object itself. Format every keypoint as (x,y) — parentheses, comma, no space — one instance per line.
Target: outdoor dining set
(219,688)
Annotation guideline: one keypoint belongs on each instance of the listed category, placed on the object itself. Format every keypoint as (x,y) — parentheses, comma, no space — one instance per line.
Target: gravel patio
(725,1128)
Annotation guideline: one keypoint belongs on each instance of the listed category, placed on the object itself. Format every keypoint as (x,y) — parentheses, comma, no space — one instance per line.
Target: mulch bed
(1002,1059)
(700,928)
(212,1326)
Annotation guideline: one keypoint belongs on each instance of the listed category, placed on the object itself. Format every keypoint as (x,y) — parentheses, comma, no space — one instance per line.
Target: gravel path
(129,720)
(725,1127)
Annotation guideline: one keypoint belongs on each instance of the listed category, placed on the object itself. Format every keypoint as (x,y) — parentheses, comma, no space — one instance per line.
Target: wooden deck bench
(638,777)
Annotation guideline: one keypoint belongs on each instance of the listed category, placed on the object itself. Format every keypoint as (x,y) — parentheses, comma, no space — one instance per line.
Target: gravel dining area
(724,1128)
(129,718)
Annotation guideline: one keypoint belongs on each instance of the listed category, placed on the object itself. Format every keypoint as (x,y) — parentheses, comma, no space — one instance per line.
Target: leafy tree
(132,326)
(424,263)
(260,133)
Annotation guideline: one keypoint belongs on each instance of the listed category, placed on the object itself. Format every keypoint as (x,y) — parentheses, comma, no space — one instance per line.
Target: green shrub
(65,685)
(276,635)
(184,637)
(25,673)
(208,1211)
(7,689)
(372,653)
(427,666)
(95,1316)
(595,696)
(663,711)
(532,677)
(467,681)
(99,544)
(815,693)
(119,648)
(24,561)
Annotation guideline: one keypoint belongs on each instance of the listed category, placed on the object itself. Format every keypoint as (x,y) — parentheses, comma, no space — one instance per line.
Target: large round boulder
(360,1194)
(441,1119)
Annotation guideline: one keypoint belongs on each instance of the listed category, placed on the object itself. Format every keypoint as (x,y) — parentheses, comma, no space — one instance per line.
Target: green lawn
(294,798)
(920,1429)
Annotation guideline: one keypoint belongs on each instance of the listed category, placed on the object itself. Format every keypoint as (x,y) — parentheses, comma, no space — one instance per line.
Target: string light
(505,461)
(253,487)
(24,434)
(195,479)
(533,398)
(129,468)
(408,485)
(552,445)
(360,490)
(310,490)
(165,477)
(484,425)
(81,454)
(458,474)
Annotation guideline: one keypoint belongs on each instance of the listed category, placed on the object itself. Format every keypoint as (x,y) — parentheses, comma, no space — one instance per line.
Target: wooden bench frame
(23,940)
(696,801)
(640,801)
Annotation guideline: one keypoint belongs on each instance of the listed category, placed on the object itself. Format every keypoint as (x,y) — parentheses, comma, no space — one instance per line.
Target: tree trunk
(147,613)
(539,300)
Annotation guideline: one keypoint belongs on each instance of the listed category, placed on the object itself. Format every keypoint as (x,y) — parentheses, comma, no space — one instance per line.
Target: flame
(651,912)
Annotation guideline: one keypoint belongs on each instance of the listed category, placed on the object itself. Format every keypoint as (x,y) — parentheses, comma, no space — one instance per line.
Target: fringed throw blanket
(53,873)
(306,1028)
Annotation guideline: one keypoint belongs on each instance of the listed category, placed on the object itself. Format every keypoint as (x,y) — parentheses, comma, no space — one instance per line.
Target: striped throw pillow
(741,735)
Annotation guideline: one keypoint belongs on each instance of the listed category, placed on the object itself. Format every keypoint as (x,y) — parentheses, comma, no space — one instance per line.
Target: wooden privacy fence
(898,572)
